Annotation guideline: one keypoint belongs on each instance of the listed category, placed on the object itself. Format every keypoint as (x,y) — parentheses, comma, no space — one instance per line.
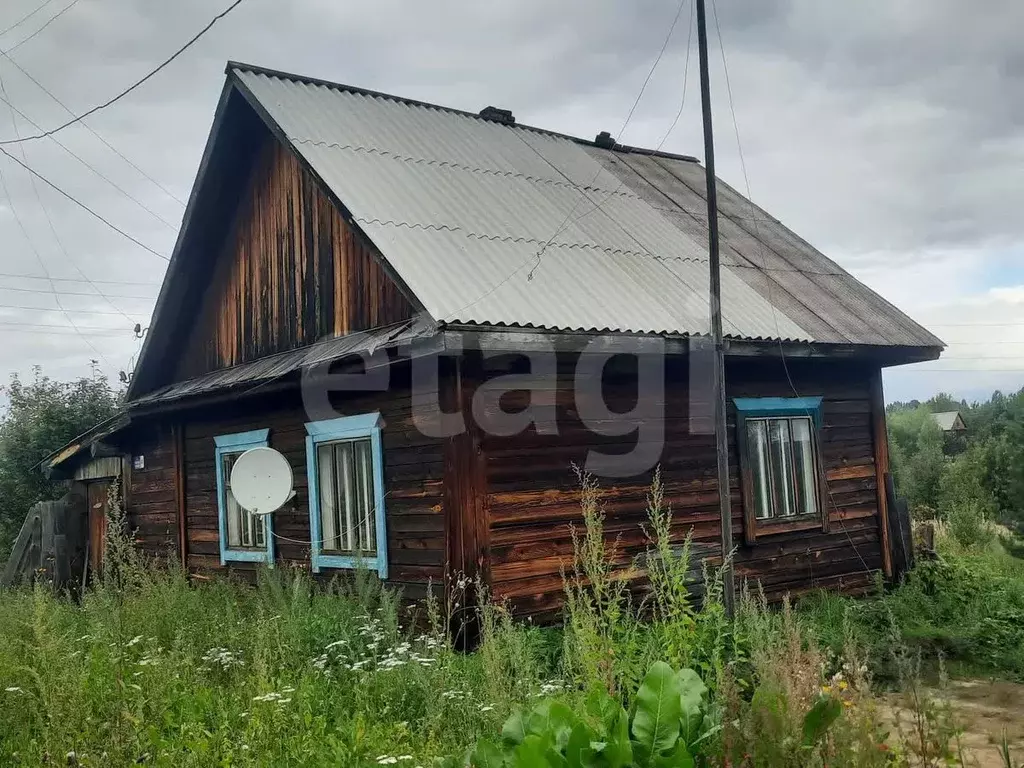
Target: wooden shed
(433,314)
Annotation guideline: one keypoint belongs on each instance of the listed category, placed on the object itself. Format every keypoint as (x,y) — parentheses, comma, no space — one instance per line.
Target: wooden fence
(51,545)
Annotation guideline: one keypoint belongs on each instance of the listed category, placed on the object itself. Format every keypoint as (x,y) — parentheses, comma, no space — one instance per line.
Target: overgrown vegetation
(42,415)
(150,669)
(964,479)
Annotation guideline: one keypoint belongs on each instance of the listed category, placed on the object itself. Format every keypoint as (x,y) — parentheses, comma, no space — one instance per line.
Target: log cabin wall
(413,466)
(150,495)
(293,272)
(532,495)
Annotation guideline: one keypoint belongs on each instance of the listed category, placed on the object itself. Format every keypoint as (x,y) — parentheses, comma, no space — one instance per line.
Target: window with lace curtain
(780,465)
(243,536)
(346,498)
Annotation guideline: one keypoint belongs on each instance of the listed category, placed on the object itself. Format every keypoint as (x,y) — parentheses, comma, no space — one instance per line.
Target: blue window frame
(243,537)
(345,470)
(779,440)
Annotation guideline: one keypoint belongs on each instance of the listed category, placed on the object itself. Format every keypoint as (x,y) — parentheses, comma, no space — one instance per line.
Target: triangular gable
(265,261)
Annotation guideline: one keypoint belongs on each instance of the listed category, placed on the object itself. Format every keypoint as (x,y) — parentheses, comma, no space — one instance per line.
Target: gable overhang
(226,165)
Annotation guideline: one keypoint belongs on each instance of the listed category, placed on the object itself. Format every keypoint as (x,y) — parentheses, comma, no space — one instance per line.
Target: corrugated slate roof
(947,420)
(267,369)
(504,225)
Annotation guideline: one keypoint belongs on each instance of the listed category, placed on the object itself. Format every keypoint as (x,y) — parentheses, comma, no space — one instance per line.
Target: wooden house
(476,273)
(950,422)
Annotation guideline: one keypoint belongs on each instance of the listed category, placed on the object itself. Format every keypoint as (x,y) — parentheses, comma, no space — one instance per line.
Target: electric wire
(35,252)
(50,21)
(91,167)
(17,276)
(49,219)
(536,258)
(26,17)
(771,303)
(82,205)
(129,89)
(94,295)
(92,130)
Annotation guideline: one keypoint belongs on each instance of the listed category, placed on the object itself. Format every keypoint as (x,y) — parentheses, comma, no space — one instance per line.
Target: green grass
(149,668)
(173,674)
(965,608)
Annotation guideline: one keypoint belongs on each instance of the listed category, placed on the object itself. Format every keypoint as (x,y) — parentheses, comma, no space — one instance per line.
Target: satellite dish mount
(262,481)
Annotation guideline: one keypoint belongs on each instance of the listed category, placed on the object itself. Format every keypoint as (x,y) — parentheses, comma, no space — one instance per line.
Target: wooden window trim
(779,407)
(239,442)
(366,425)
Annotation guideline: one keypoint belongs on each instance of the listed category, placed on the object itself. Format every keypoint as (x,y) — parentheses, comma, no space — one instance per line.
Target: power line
(50,21)
(93,131)
(73,311)
(42,264)
(82,205)
(568,218)
(75,279)
(26,17)
(959,370)
(19,324)
(1018,324)
(92,168)
(540,253)
(96,295)
(132,87)
(771,303)
(49,220)
(79,332)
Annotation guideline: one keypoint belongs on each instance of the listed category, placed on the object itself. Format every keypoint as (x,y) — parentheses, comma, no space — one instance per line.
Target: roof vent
(604,140)
(496,115)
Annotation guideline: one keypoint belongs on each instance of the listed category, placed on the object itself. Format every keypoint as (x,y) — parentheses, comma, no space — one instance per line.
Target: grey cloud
(883,132)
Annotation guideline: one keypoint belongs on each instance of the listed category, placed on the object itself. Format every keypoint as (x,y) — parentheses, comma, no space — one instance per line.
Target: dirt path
(985,710)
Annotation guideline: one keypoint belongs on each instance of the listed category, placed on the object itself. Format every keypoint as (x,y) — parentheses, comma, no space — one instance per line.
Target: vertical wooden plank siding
(465,479)
(881,438)
(292,272)
(177,436)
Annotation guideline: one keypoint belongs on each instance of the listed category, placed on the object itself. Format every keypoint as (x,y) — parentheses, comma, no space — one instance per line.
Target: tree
(917,459)
(42,415)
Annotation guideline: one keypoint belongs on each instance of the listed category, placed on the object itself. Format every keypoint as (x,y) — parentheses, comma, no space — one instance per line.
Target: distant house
(336,230)
(950,421)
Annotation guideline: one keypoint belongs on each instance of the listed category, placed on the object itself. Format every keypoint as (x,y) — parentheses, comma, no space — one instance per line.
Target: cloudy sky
(890,135)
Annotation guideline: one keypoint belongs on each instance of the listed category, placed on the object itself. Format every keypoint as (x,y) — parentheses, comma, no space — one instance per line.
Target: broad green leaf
(514,730)
(656,722)
(691,701)
(580,751)
(618,749)
(531,753)
(485,755)
(603,708)
(819,719)
(679,757)
(553,720)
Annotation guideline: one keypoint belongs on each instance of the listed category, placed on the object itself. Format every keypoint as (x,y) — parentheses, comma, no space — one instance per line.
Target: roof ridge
(334,85)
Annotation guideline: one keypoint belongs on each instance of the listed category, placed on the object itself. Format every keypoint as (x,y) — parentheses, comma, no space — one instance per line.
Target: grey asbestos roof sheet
(500,225)
(267,369)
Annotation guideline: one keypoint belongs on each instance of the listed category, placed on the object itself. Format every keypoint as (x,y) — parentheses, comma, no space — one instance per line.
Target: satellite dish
(261,480)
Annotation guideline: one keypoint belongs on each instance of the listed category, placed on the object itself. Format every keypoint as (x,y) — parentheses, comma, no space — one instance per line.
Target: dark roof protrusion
(497,115)
(604,140)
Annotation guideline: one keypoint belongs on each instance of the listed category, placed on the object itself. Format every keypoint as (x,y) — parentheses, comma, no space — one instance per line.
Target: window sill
(350,563)
(246,556)
(788,525)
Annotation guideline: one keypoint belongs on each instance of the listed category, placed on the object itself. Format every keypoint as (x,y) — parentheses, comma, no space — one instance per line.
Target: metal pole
(721,438)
